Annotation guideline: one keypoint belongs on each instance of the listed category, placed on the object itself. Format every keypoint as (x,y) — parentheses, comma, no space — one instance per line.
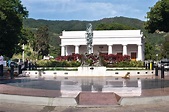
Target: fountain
(89,38)
(89,41)
(91,63)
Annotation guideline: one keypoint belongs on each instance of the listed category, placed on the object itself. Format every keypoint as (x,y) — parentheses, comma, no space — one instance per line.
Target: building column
(124,49)
(62,50)
(66,53)
(76,49)
(140,54)
(109,49)
(92,49)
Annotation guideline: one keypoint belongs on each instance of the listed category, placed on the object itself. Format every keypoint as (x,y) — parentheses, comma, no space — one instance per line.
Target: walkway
(40,100)
(14,107)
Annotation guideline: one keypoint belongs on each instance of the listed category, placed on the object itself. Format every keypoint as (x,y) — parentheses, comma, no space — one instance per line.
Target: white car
(165,63)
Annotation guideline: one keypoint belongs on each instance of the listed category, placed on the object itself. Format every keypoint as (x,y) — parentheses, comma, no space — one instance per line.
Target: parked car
(165,63)
(17,61)
(14,63)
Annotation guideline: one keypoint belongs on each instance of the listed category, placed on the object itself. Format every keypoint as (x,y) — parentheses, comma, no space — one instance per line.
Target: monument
(89,38)
(90,62)
(89,59)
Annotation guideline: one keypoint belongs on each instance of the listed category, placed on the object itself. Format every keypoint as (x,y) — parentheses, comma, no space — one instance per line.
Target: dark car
(14,64)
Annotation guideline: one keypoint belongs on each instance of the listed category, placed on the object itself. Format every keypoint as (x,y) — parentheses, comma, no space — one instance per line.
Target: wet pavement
(144,86)
(72,86)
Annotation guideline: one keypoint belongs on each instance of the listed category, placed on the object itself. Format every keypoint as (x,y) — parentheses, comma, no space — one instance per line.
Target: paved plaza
(19,99)
(159,107)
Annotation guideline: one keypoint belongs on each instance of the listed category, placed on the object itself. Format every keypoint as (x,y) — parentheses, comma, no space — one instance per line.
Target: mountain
(57,26)
(76,25)
(132,22)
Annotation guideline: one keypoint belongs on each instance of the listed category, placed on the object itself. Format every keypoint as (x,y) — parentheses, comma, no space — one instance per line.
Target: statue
(89,41)
(89,38)
(89,59)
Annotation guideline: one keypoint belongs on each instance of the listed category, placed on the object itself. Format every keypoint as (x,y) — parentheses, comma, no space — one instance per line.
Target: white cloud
(93,9)
(83,9)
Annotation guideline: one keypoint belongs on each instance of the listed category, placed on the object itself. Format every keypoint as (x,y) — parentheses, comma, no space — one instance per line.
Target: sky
(87,9)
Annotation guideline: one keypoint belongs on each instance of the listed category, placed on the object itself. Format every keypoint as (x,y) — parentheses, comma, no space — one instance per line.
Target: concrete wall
(86,71)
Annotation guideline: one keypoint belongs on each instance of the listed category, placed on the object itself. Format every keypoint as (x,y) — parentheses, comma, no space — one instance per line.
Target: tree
(41,45)
(157,21)
(12,14)
(165,48)
(149,51)
(157,18)
(113,26)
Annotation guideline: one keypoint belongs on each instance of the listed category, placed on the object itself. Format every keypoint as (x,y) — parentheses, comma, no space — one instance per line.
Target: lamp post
(156,67)
(23,52)
(156,57)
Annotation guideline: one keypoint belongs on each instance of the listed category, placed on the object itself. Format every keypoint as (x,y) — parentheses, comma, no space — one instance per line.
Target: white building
(120,42)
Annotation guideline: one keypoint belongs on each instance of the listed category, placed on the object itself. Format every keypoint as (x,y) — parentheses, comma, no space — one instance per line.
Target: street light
(23,52)
(156,57)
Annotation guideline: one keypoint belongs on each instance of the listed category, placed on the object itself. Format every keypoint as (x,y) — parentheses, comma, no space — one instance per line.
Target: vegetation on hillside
(153,41)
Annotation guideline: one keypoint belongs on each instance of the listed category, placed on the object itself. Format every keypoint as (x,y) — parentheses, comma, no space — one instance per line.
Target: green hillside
(57,26)
(75,25)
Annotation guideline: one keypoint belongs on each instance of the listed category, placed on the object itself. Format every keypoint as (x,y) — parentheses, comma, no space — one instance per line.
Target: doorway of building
(133,56)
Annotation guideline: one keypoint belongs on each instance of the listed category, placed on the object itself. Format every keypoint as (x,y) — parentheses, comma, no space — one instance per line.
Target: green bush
(75,63)
(137,63)
(125,64)
(55,63)
(41,63)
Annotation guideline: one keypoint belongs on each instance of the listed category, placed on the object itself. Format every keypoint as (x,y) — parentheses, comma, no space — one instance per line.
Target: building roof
(103,33)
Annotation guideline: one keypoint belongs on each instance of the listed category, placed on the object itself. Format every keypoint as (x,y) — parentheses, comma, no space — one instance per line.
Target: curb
(143,100)
(37,100)
(72,102)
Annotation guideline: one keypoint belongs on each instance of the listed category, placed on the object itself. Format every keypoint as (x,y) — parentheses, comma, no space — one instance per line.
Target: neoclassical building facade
(120,42)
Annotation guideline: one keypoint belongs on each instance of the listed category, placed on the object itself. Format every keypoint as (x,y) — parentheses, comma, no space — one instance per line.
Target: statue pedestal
(92,71)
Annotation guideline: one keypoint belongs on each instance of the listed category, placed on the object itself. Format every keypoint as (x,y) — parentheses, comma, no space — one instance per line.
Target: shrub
(74,60)
(55,63)
(126,64)
(75,63)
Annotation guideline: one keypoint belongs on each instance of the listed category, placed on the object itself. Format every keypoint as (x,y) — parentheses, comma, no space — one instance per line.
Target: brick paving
(88,98)
(12,90)
(12,107)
